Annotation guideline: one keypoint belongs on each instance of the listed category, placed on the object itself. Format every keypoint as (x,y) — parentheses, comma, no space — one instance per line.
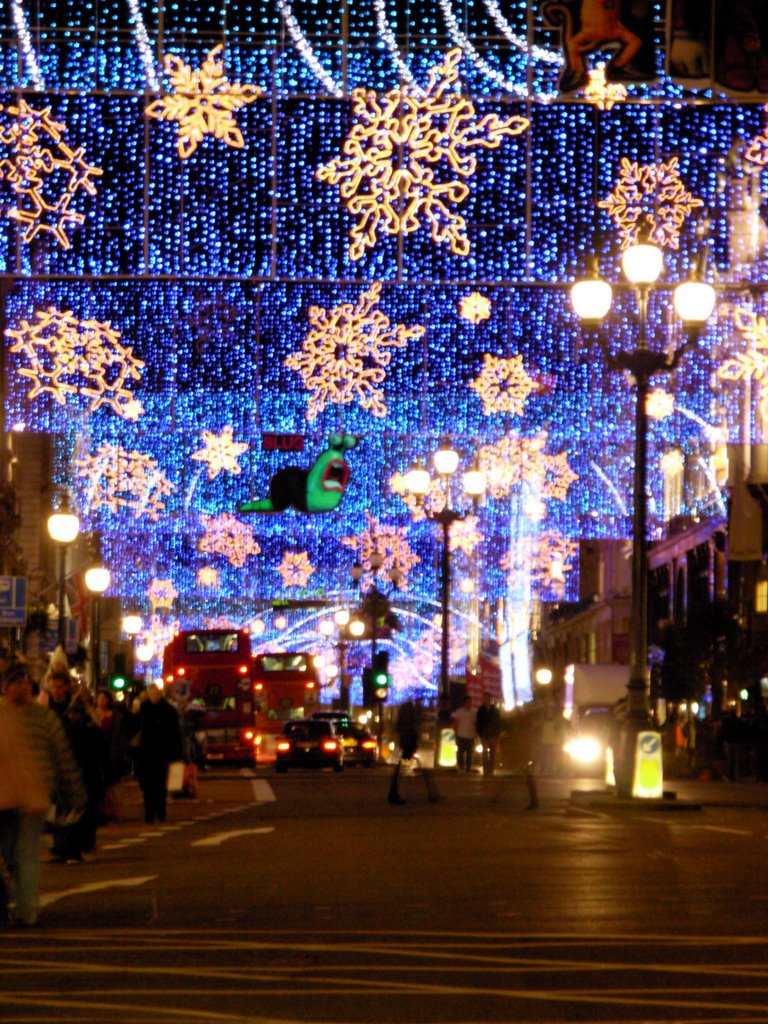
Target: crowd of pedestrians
(62,753)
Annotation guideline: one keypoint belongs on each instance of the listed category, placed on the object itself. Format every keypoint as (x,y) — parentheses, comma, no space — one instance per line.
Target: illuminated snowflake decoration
(757,150)
(659,404)
(465,535)
(295,568)
(44,173)
(419,505)
(160,632)
(225,535)
(221,452)
(404,159)
(390,544)
(117,478)
(161,594)
(601,93)
(752,363)
(514,461)
(413,673)
(344,356)
(66,356)
(653,194)
(209,577)
(548,557)
(202,102)
(503,385)
(672,463)
(475,308)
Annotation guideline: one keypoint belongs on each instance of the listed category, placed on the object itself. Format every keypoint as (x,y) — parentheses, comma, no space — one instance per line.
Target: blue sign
(13,600)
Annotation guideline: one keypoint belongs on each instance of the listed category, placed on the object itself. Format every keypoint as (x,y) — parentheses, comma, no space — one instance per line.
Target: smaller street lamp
(97,579)
(63,528)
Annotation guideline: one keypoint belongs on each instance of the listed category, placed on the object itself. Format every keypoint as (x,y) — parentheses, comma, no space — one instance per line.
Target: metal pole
(445,624)
(96,642)
(61,594)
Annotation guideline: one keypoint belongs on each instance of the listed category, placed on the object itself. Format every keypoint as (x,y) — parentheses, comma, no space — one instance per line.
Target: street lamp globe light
(132,624)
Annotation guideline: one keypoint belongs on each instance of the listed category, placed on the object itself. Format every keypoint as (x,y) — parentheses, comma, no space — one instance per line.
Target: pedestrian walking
(92,756)
(465,728)
(36,765)
(408,727)
(159,744)
(488,724)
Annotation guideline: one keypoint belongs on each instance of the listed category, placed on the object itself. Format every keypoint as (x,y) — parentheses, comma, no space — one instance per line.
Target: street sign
(13,600)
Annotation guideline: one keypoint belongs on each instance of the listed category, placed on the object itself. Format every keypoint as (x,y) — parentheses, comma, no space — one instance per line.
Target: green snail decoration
(317,489)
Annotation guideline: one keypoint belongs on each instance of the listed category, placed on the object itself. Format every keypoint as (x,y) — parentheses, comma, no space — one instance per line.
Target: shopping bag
(176,777)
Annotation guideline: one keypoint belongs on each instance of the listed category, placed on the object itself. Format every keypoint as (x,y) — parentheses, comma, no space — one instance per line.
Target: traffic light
(118,682)
(368,697)
(381,676)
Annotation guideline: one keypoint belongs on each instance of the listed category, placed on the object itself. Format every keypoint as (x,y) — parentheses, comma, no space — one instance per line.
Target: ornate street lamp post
(97,579)
(419,483)
(694,301)
(63,528)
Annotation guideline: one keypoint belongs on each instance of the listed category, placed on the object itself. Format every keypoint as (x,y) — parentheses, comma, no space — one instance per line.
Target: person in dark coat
(488,724)
(159,744)
(92,756)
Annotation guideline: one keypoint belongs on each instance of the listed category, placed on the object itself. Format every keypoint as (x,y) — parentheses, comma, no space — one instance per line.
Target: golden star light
(295,568)
(503,385)
(390,544)
(221,452)
(344,356)
(162,594)
(406,155)
(202,102)
(600,92)
(659,404)
(225,535)
(39,158)
(67,356)
(117,478)
(652,193)
(209,577)
(465,535)
(475,308)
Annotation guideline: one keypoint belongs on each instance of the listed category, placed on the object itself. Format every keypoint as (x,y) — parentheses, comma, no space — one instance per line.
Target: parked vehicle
(360,746)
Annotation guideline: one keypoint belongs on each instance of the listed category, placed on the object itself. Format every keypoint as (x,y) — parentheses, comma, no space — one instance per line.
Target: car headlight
(585,749)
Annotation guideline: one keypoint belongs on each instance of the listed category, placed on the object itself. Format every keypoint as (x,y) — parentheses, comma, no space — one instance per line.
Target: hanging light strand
(305,50)
(25,39)
(521,44)
(144,47)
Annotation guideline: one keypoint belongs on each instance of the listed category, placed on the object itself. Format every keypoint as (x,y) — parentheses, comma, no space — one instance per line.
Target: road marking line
(53,897)
(262,791)
(221,837)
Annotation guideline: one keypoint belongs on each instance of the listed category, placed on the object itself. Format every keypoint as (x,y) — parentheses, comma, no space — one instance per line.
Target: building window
(761,596)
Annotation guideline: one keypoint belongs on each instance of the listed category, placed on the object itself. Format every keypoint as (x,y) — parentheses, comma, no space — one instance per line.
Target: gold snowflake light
(295,568)
(548,557)
(389,543)
(653,194)
(752,362)
(209,577)
(66,356)
(39,163)
(202,102)
(503,385)
(345,354)
(601,93)
(475,308)
(221,452)
(225,535)
(118,478)
(162,594)
(514,460)
(406,160)
(659,404)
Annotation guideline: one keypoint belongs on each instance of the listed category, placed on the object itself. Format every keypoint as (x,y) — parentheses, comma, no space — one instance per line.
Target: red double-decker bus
(286,685)
(209,676)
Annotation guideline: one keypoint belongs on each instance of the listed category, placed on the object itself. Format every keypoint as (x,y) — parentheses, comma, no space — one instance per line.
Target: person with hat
(39,764)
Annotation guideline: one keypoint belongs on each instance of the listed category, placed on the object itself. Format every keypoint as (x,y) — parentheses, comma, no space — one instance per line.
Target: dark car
(360,747)
(309,743)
